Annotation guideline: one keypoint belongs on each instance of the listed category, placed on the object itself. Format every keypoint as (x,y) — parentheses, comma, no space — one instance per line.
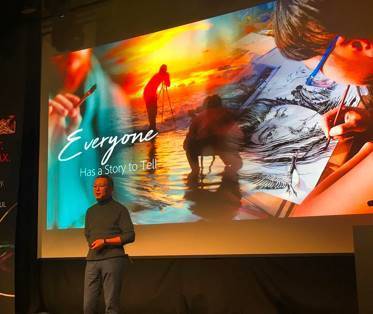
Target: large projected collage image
(203,122)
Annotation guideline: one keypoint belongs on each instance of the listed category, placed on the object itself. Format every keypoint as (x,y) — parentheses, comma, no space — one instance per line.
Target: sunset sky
(201,54)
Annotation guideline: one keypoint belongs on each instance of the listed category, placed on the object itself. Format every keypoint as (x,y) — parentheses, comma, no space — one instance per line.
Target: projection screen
(212,136)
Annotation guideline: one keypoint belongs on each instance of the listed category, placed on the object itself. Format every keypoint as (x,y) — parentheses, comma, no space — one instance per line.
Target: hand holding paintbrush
(343,121)
(339,108)
(67,105)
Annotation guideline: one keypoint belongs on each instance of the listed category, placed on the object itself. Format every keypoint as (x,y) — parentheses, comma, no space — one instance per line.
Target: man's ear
(357,46)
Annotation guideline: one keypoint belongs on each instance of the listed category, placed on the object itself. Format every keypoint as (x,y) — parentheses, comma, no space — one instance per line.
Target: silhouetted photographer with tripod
(150,93)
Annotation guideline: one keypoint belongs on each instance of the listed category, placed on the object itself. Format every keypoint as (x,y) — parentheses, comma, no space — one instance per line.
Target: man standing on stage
(150,93)
(108,227)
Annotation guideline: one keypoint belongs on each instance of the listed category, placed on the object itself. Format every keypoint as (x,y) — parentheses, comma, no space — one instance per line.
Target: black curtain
(26,276)
(229,285)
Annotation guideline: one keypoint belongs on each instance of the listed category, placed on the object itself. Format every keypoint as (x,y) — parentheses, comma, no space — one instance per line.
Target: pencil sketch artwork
(284,146)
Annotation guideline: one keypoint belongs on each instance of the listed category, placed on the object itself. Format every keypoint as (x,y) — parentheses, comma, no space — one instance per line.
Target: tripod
(163,93)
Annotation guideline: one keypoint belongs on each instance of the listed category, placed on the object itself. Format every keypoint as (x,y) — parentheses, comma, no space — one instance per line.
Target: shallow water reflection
(167,194)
